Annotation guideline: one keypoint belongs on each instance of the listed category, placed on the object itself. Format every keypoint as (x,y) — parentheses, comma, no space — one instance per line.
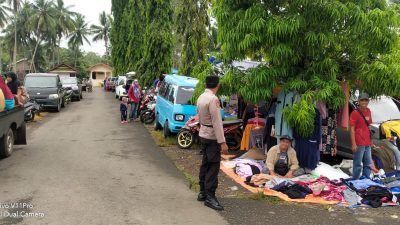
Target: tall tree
(310,46)
(102,31)
(15,4)
(65,23)
(3,13)
(43,21)
(192,22)
(3,21)
(136,15)
(119,36)
(158,45)
(79,35)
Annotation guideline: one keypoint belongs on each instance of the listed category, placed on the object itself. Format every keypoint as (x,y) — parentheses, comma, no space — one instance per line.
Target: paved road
(83,167)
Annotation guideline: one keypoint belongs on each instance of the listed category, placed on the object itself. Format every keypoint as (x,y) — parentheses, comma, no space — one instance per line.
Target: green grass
(160,140)
(193,181)
(261,197)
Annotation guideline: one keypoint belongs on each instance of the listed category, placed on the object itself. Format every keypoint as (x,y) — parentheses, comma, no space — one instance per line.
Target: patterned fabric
(325,189)
(328,126)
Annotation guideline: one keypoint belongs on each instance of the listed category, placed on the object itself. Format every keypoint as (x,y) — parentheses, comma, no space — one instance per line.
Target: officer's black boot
(202,196)
(212,202)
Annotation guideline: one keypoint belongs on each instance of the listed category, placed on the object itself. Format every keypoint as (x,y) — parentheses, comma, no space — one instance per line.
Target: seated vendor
(282,159)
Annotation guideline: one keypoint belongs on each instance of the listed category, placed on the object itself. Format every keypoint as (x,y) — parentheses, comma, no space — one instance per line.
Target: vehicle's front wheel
(166,131)
(58,109)
(7,144)
(147,117)
(185,139)
(157,125)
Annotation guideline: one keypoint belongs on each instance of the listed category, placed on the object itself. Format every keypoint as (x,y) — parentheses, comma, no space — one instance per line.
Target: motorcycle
(189,134)
(146,100)
(32,108)
(148,115)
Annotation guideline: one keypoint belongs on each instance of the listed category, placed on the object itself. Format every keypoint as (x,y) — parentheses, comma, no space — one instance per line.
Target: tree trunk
(37,45)
(15,44)
(58,51)
(106,43)
(76,57)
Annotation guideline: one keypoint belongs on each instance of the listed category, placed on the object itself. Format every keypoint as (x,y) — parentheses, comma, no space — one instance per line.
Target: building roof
(21,60)
(64,68)
(41,75)
(100,64)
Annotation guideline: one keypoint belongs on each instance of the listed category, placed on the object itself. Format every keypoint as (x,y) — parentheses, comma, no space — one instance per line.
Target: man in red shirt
(361,142)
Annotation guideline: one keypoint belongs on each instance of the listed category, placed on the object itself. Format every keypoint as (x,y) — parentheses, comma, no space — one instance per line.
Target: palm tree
(103,31)
(15,4)
(3,21)
(3,13)
(44,21)
(65,23)
(79,34)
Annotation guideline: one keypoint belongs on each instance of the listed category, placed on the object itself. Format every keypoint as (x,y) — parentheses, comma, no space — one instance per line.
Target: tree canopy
(309,46)
(142,37)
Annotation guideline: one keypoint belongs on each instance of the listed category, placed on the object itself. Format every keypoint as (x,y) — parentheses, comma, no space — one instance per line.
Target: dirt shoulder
(243,207)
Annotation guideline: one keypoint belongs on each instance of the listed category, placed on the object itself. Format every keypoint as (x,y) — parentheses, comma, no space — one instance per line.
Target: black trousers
(210,166)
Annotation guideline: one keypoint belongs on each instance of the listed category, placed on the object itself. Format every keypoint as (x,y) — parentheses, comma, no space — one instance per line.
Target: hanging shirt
(343,116)
(307,149)
(281,125)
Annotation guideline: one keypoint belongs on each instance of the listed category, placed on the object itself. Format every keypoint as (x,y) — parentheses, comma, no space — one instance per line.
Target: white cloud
(91,9)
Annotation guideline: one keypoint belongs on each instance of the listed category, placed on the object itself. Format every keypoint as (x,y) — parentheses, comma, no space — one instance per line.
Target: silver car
(383,109)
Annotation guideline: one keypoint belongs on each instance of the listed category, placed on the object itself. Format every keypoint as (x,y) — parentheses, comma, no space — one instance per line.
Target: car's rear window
(41,81)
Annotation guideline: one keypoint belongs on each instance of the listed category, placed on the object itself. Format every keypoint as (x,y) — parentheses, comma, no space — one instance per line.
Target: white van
(120,90)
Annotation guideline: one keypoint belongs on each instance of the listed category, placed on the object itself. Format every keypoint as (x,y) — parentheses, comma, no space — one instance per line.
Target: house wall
(22,69)
(101,72)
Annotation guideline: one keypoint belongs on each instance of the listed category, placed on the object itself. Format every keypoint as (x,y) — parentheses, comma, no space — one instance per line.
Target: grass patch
(261,197)
(160,140)
(193,181)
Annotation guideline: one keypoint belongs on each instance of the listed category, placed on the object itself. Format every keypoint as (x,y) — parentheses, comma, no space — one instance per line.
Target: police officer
(212,140)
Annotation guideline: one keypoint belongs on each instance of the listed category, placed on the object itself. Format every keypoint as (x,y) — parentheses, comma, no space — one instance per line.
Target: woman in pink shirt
(134,95)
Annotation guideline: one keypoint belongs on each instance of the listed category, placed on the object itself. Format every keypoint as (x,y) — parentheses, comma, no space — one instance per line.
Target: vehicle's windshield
(41,82)
(69,80)
(183,95)
(383,109)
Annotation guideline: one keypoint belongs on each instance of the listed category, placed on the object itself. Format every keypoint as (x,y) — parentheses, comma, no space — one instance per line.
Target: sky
(91,9)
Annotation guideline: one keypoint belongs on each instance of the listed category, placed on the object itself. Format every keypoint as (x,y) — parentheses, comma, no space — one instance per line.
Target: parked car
(113,83)
(173,109)
(383,109)
(72,84)
(46,90)
(12,130)
(120,90)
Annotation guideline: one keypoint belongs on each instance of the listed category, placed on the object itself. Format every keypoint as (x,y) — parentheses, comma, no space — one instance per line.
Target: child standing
(124,110)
